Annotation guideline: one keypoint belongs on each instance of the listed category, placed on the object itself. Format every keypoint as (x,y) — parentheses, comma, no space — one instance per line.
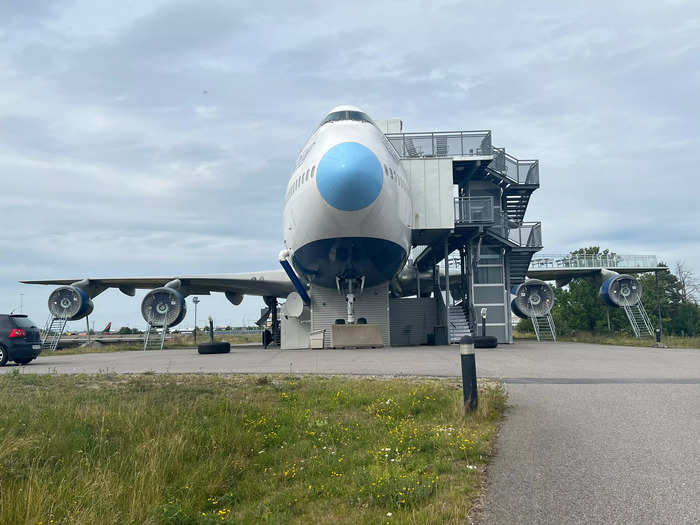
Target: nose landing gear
(344,284)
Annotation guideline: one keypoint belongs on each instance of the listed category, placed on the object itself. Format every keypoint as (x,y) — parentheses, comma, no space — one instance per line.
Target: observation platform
(551,267)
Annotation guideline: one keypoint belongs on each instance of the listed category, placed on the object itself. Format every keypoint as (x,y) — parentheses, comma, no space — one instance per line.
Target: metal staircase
(544,328)
(459,323)
(516,201)
(53,330)
(519,264)
(154,340)
(638,318)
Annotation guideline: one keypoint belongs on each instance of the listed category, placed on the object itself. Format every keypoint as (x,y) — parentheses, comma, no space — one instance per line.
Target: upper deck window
(347,115)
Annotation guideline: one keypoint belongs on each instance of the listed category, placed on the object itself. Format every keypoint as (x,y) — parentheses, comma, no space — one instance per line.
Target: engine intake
(70,302)
(621,290)
(163,306)
(533,298)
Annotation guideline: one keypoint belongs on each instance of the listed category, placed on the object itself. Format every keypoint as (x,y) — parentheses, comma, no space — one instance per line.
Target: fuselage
(347,212)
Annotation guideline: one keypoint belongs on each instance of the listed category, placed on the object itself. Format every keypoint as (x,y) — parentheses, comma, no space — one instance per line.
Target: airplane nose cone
(349,176)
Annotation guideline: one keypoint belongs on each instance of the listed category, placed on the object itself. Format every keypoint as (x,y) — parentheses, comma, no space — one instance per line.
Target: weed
(180,449)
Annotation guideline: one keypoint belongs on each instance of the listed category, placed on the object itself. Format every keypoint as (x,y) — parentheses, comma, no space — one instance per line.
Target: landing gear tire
(485,341)
(3,355)
(214,348)
(266,338)
(23,361)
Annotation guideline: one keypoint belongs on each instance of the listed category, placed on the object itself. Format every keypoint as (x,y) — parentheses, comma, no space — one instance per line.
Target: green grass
(671,341)
(186,449)
(177,341)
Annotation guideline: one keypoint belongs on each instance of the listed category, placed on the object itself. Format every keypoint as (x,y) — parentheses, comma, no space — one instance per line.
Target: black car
(20,340)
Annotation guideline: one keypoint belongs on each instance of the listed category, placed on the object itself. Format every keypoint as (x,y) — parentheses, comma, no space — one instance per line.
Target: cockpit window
(347,115)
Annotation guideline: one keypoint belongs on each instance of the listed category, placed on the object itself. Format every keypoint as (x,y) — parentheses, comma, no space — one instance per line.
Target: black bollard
(211,330)
(471,394)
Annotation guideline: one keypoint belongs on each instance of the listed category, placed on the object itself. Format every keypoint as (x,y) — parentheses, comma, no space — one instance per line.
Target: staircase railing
(528,235)
(519,171)
(639,319)
(544,328)
(474,210)
(53,331)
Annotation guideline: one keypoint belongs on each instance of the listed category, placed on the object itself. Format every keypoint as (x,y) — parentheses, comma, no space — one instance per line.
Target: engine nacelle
(533,298)
(163,306)
(621,290)
(234,298)
(70,302)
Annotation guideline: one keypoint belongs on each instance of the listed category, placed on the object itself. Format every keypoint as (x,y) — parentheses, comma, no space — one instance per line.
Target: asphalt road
(593,434)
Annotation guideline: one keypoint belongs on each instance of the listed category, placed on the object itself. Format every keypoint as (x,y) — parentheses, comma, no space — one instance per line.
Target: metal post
(195,300)
(436,292)
(658,300)
(87,321)
(462,273)
(447,289)
(211,330)
(484,313)
(417,280)
(468,361)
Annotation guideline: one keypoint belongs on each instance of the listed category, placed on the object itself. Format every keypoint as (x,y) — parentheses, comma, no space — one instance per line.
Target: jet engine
(533,298)
(70,302)
(163,306)
(620,290)
(234,298)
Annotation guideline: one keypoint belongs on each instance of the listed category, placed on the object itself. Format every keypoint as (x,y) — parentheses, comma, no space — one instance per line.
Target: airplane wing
(566,274)
(274,283)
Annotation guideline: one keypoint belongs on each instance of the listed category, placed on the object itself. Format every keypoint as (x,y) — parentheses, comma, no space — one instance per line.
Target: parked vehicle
(20,339)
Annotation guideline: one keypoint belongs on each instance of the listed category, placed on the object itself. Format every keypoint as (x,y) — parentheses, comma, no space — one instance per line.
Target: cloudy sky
(157,137)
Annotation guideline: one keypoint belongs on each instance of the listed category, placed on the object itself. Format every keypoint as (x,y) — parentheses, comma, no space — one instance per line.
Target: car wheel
(23,361)
(214,348)
(3,355)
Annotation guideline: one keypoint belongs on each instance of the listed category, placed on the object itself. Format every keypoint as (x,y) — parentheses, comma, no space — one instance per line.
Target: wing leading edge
(274,283)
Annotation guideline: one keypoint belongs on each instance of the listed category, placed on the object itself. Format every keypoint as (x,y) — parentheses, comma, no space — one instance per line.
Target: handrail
(594,261)
(470,210)
(442,143)
(513,168)
(528,235)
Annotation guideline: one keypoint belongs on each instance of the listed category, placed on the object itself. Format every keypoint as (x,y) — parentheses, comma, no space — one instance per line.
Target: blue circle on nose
(349,176)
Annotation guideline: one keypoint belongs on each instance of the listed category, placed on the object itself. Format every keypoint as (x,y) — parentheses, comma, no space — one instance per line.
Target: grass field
(175,341)
(176,449)
(619,339)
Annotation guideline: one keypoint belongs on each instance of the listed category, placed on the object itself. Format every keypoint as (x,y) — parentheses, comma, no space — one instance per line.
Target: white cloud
(158,137)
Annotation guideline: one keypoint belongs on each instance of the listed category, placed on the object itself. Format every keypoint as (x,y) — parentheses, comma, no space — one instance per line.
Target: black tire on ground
(3,355)
(23,361)
(214,348)
(485,341)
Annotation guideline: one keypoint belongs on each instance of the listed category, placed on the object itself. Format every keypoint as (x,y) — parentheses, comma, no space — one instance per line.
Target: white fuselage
(341,219)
